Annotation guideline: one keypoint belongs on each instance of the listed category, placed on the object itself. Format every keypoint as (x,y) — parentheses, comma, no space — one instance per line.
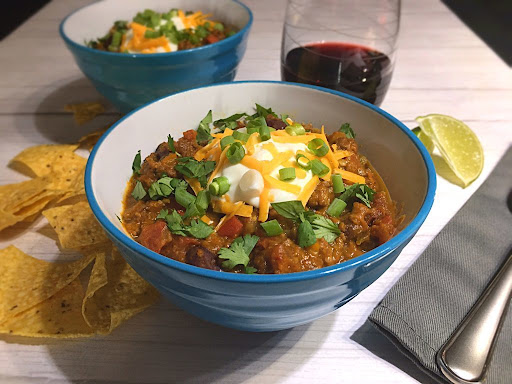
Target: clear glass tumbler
(345,45)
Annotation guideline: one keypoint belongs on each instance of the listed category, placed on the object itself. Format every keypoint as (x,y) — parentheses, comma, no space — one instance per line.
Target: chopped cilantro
(136,163)
(238,252)
(190,167)
(264,112)
(319,226)
(203,131)
(197,228)
(170,143)
(361,191)
(250,270)
(347,130)
(160,188)
(138,192)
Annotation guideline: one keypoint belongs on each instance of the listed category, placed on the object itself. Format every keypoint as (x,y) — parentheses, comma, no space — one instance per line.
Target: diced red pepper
(155,236)
(231,228)
(211,39)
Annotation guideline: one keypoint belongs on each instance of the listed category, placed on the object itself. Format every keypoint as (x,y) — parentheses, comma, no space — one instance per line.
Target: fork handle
(467,353)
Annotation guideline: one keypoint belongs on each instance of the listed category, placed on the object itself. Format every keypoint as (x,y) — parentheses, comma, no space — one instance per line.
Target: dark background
(491,20)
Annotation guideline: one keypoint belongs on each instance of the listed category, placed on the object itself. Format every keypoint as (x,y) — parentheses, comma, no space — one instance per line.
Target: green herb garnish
(160,188)
(238,252)
(347,130)
(138,192)
(203,130)
(361,191)
(170,143)
(190,167)
(136,163)
(197,228)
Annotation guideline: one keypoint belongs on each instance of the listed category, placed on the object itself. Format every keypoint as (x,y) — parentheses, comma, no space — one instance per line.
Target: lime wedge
(457,143)
(429,144)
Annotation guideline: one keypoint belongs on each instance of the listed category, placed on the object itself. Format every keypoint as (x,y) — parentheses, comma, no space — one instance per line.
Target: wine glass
(345,45)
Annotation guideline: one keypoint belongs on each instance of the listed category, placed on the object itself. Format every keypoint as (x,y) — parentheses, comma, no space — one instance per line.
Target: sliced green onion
(318,147)
(225,141)
(336,208)
(218,27)
(319,168)
(264,133)
(252,130)
(152,34)
(241,136)
(219,186)
(303,161)
(116,39)
(295,129)
(183,197)
(203,199)
(287,174)
(235,153)
(337,183)
(272,228)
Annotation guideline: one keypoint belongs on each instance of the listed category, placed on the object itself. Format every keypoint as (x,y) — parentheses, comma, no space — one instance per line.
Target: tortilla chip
(75,225)
(38,160)
(84,112)
(14,197)
(115,293)
(90,140)
(59,316)
(26,281)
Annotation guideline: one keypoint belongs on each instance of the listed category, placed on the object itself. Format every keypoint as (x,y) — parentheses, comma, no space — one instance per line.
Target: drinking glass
(345,45)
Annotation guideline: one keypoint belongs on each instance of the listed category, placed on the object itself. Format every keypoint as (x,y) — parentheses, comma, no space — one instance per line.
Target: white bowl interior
(388,148)
(95,20)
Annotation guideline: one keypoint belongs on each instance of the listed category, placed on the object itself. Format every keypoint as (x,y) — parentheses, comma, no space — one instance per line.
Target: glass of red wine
(345,45)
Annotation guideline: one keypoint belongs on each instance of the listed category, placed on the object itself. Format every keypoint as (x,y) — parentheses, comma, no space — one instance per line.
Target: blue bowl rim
(92,51)
(373,255)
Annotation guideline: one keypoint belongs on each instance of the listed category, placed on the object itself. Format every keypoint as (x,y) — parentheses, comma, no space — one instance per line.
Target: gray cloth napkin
(429,301)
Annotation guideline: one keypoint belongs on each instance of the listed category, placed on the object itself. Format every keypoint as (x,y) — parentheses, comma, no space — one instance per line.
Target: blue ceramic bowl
(261,302)
(131,80)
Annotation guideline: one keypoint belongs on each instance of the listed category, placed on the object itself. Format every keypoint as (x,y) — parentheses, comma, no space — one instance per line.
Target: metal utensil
(467,353)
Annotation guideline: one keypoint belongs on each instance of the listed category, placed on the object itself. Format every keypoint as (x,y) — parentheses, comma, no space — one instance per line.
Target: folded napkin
(430,300)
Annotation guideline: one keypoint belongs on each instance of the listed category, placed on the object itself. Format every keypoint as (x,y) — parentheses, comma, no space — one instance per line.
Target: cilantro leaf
(203,131)
(234,255)
(138,192)
(199,229)
(250,270)
(305,234)
(170,143)
(248,242)
(229,122)
(200,170)
(289,209)
(264,112)
(136,163)
(160,188)
(366,194)
(361,191)
(347,130)
(324,227)
(238,252)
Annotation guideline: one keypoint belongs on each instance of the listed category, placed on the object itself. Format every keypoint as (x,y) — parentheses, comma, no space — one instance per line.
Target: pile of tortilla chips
(92,295)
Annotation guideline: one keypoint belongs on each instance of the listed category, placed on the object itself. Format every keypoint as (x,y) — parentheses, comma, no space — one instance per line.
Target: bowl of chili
(227,291)
(176,49)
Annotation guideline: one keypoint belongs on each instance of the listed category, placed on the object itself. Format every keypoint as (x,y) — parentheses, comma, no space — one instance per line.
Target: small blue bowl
(261,302)
(131,80)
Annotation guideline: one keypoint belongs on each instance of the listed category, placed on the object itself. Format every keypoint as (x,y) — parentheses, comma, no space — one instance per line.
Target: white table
(442,67)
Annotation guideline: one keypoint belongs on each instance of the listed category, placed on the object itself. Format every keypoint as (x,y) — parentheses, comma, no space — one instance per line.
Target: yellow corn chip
(14,197)
(59,316)
(90,140)
(39,160)
(115,294)
(26,281)
(75,225)
(84,112)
